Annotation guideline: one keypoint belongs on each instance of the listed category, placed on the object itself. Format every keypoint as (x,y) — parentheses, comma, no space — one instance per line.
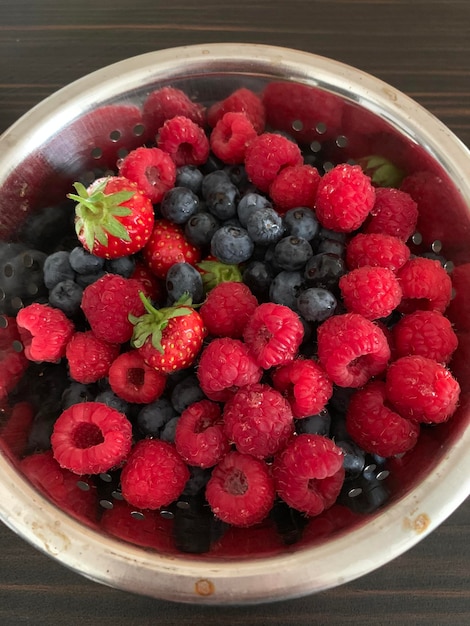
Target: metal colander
(79,133)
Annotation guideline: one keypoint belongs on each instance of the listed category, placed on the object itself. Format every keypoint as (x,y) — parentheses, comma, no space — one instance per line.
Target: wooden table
(422,47)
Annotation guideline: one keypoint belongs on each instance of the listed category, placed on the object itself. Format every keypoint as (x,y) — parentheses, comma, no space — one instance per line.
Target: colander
(76,134)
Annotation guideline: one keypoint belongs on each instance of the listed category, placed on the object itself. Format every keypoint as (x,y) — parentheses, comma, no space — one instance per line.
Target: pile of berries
(231,330)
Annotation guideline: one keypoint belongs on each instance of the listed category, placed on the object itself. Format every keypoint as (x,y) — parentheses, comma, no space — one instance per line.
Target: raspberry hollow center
(203,424)
(152,174)
(136,377)
(236,483)
(87,435)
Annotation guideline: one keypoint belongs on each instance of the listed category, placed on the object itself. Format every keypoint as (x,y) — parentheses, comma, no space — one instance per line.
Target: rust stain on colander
(204,587)
(419,523)
(52,538)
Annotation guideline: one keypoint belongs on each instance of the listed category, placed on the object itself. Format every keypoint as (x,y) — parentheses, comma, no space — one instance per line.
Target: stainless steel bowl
(62,137)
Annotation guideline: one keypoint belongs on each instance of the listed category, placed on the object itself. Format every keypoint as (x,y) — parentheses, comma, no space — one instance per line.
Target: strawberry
(113,217)
(170,338)
(168,245)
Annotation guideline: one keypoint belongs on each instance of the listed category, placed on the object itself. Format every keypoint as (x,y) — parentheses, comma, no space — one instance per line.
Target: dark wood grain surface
(422,47)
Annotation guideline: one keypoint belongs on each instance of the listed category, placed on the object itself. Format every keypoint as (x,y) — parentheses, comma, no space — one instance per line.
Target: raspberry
(375,427)
(422,389)
(60,485)
(294,186)
(199,437)
(231,136)
(166,103)
(373,292)
(309,473)
(425,285)
(133,380)
(273,334)
(13,362)
(345,197)
(226,365)
(227,309)
(427,333)
(44,331)
(107,304)
(267,155)
(394,213)
(244,101)
(154,475)
(151,169)
(258,420)
(378,250)
(306,386)
(90,438)
(184,141)
(352,349)
(89,358)
(240,491)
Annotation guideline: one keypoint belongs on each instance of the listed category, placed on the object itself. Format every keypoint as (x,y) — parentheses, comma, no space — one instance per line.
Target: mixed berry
(226,334)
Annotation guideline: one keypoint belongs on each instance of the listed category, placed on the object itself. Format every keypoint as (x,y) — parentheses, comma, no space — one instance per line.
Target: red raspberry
(199,437)
(90,438)
(242,100)
(44,331)
(153,170)
(425,285)
(107,304)
(378,250)
(133,380)
(89,358)
(373,292)
(154,475)
(185,141)
(394,213)
(273,334)
(305,384)
(427,333)
(294,186)
(231,136)
(306,112)
(352,349)
(227,309)
(60,485)
(13,362)
(309,473)
(258,420)
(240,491)
(224,366)
(166,103)
(458,310)
(168,245)
(267,155)
(422,389)
(375,427)
(345,197)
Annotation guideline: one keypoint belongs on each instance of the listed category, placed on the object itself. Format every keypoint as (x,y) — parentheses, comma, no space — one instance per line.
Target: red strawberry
(168,245)
(113,217)
(170,338)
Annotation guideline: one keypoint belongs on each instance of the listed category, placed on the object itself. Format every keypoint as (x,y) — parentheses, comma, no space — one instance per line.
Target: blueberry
(212,180)
(318,424)
(179,204)
(285,288)
(189,176)
(265,226)
(45,228)
(316,304)
(85,263)
(200,228)
(88,279)
(324,270)
(258,276)
(249,203)
(237,175)
(354,458)
(288,521)
(21,278)
(39,437)
(222,199)
(108,397)
(232,245)
(186,392)
(332,247)
(183,278)
(153,417)
(76,393)
(292,253)
(212,164)
(327,233)
(169,429)
(66,296)
(301,222)
(124,266)
(57,268)
(198,479)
